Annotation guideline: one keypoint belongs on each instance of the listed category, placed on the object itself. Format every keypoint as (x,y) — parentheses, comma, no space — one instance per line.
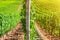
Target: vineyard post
(28,19)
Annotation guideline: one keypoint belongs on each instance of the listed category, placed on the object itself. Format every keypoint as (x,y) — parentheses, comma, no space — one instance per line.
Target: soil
(15,34)
(44,34)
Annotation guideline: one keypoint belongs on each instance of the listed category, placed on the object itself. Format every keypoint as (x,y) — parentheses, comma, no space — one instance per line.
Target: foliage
(23,18)
(9,15)
(47,15)
(33,33)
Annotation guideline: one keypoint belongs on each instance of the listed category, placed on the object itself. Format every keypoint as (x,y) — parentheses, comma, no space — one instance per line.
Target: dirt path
(15,34)
(43,34)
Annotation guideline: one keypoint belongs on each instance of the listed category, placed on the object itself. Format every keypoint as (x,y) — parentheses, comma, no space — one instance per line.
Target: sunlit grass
(47,13)
(9,15)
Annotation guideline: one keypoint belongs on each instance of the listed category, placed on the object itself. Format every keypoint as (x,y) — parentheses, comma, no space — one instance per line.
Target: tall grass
(47,15)
(9,15)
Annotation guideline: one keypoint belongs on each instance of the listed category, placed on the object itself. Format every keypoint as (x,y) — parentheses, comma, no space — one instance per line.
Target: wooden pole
(28,19)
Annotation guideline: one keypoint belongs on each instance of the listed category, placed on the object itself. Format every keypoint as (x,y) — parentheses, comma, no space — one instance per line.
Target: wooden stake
(28,19)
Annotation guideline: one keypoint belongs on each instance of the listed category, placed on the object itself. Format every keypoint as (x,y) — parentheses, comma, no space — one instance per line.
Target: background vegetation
(9,14)
(33,32)
(46,13)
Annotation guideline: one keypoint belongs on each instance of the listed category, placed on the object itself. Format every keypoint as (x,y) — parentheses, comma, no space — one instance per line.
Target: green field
(47,14)
(9,14)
